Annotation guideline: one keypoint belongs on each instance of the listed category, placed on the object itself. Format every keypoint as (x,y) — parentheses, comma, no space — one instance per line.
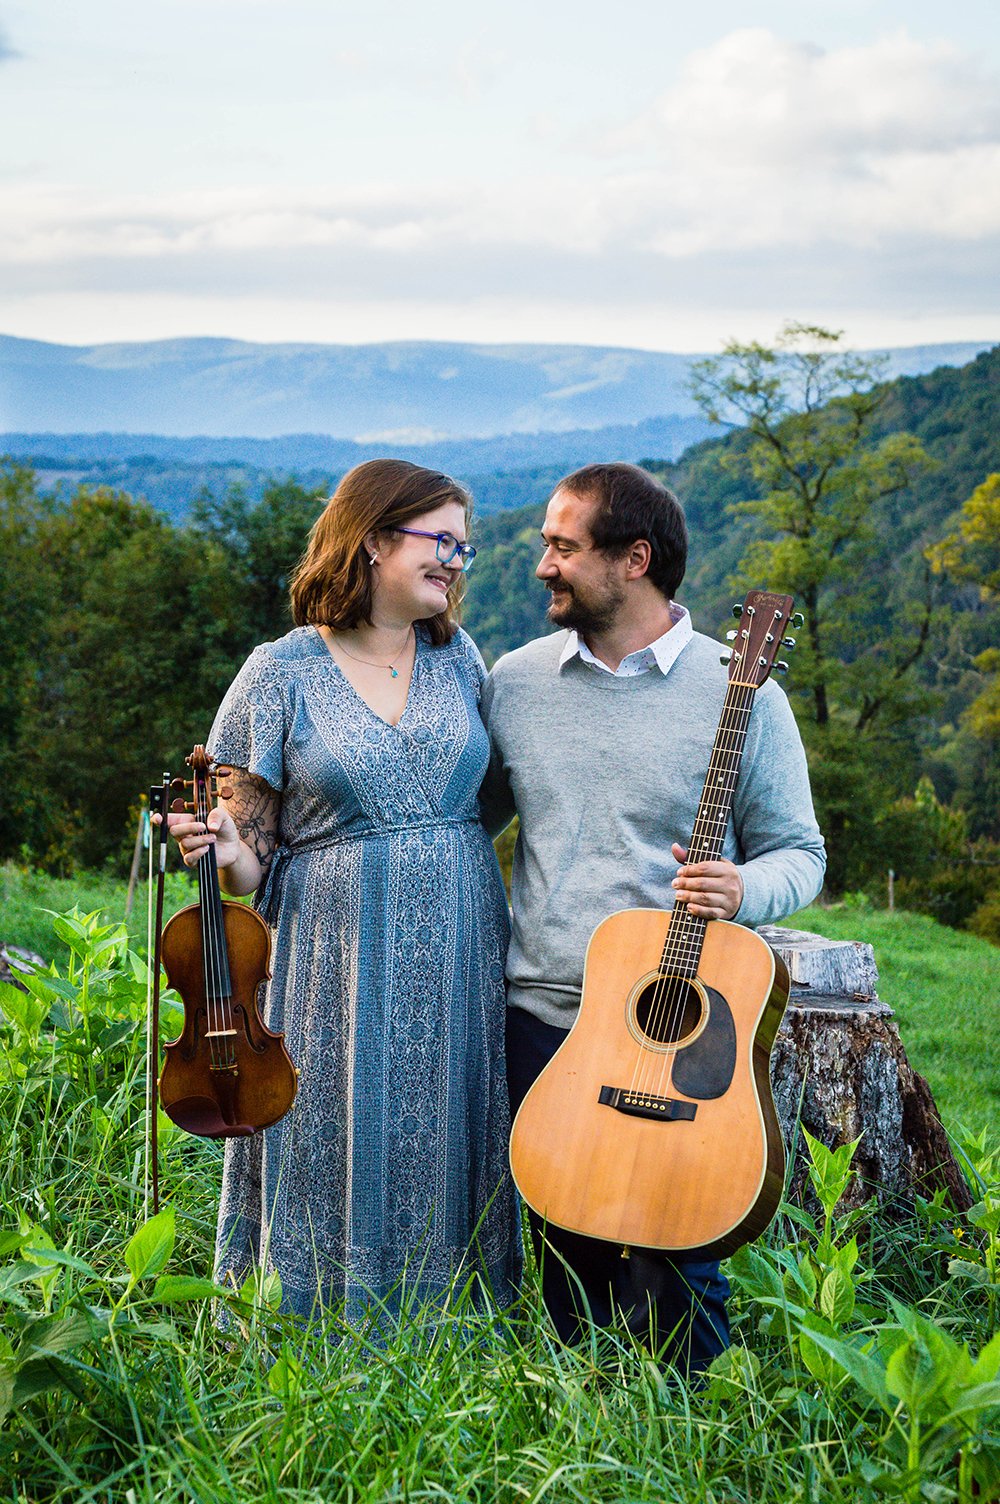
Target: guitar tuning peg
(781,668)
(732,635)
(788,642)
(796,620)
(726,658)
(738,610)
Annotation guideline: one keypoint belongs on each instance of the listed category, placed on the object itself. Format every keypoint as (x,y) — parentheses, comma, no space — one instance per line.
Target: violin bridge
(219,1033)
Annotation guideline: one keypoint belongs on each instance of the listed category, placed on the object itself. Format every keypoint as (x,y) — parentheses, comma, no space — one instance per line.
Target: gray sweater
(605,773)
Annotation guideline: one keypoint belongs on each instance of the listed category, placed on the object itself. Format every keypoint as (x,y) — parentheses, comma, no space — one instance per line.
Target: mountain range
(404,396)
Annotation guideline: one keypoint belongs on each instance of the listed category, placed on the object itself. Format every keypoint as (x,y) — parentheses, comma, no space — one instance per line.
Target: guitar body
(654,1126)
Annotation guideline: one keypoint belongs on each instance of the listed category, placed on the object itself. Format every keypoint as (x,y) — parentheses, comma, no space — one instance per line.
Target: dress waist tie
(268,895)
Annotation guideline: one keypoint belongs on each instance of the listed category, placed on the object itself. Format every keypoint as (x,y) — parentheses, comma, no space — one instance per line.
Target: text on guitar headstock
(763,619)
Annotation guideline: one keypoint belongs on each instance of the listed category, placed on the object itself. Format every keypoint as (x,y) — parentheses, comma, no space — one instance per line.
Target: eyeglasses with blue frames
(448,546)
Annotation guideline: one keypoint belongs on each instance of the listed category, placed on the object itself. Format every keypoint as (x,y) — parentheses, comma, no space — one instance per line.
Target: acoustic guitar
(653,1125)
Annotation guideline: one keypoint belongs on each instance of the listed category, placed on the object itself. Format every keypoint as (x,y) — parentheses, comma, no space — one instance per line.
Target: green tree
(820,509)
(142,635)
(26,601)
(969,554)
(265,540)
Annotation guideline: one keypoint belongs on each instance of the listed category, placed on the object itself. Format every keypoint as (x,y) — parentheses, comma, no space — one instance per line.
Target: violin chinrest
(201,1116)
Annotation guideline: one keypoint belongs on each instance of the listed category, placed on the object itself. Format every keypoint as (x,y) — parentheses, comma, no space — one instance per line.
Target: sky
(626,173)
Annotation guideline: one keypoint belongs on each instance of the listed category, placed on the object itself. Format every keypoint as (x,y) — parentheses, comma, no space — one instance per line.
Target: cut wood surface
(839,1054)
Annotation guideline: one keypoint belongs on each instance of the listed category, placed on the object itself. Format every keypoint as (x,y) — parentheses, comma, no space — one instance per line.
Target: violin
(226,1075)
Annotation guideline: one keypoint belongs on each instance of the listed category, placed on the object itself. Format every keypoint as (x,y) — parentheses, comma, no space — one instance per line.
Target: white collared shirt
(661,654)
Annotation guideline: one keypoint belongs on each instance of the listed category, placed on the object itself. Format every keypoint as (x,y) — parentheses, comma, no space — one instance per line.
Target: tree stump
(839,1054)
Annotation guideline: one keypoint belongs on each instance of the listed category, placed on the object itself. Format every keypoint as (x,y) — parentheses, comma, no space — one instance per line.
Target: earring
(373,558)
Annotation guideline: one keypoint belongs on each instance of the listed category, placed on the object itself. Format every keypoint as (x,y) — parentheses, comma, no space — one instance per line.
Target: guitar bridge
(644,1104)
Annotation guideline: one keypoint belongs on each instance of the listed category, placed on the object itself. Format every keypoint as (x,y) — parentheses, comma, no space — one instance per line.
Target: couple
(366,791)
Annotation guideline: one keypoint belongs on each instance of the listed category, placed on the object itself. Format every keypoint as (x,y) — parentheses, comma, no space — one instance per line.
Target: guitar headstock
(763,619)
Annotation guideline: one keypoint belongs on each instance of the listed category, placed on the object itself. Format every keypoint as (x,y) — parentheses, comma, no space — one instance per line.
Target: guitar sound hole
(668,1010)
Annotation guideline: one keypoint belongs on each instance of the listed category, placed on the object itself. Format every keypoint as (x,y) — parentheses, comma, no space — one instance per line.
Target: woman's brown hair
(331,585)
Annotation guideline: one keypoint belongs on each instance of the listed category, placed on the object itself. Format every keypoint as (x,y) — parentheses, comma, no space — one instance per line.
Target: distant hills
(393,396)
(169,419)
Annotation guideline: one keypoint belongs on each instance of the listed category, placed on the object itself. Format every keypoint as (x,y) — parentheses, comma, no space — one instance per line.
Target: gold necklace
(370,662)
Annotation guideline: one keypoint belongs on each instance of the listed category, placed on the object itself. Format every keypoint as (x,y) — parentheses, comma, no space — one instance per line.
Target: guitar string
(685,933)
(666,1010)
(670,990)
(707,843)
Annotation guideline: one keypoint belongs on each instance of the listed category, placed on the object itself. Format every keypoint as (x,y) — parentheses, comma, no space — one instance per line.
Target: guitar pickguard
(704,1069)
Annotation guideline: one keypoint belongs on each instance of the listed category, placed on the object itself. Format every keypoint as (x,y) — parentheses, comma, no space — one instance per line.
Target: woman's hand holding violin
(194,840)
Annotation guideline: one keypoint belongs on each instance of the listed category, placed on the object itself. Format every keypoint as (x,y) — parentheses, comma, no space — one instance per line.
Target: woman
(354,816)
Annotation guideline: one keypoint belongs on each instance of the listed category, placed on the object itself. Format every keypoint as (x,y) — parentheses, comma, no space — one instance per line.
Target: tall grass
(862,1366)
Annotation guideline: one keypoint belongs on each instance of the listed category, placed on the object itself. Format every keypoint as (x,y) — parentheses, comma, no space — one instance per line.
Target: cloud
(765,141)
(772,173)
(7,51)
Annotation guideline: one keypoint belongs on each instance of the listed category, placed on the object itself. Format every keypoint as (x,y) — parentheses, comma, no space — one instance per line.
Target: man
(601,737)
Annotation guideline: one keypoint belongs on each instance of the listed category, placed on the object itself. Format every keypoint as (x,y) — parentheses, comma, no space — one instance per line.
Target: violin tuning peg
(223,772)
(226,793)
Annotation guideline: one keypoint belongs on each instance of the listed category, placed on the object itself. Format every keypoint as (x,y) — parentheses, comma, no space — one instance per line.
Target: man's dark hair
(633,504)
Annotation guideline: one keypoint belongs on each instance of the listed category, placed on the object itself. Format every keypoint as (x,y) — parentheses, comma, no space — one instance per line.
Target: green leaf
(285,1375)
(836,1297)
(43,1255)
(963,1269)
(58,1334)
(23,1009)
(913,1375)
(987,1365)
(150,1248)
(866,1372)
(171,1289)
(39,1375)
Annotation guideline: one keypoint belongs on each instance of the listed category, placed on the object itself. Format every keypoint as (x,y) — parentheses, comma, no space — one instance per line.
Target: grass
(944,986)
(25,895)
(118,1386)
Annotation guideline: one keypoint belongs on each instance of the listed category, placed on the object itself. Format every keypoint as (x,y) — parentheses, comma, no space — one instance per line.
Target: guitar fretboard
(686,935)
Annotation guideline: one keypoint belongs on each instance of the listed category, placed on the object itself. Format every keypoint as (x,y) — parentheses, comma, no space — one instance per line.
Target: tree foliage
(819,487)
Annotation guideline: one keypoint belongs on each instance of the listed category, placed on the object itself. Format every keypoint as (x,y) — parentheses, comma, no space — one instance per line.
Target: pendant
(394,672)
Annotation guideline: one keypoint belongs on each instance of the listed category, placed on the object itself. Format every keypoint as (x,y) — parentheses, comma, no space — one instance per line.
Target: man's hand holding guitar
(711,890)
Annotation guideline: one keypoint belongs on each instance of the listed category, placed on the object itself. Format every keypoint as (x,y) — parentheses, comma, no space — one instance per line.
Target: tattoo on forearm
(255,808)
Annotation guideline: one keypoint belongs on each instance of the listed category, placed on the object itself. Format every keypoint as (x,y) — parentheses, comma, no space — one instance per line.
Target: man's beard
(593,616)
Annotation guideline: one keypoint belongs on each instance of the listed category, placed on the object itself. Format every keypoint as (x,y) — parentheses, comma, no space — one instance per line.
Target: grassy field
(26,895)
(864,1363)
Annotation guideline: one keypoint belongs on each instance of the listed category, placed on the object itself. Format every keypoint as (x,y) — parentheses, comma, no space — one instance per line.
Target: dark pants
(677,1307)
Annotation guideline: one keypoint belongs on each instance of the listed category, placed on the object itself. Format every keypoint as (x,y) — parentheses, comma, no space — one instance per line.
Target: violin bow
(159,803)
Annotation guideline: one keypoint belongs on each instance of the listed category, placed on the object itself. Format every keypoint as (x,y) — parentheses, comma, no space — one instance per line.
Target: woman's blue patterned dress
(389,927)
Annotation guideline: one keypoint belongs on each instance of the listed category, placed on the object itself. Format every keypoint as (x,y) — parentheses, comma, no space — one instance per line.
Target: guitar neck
(763,618)
(682,952)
